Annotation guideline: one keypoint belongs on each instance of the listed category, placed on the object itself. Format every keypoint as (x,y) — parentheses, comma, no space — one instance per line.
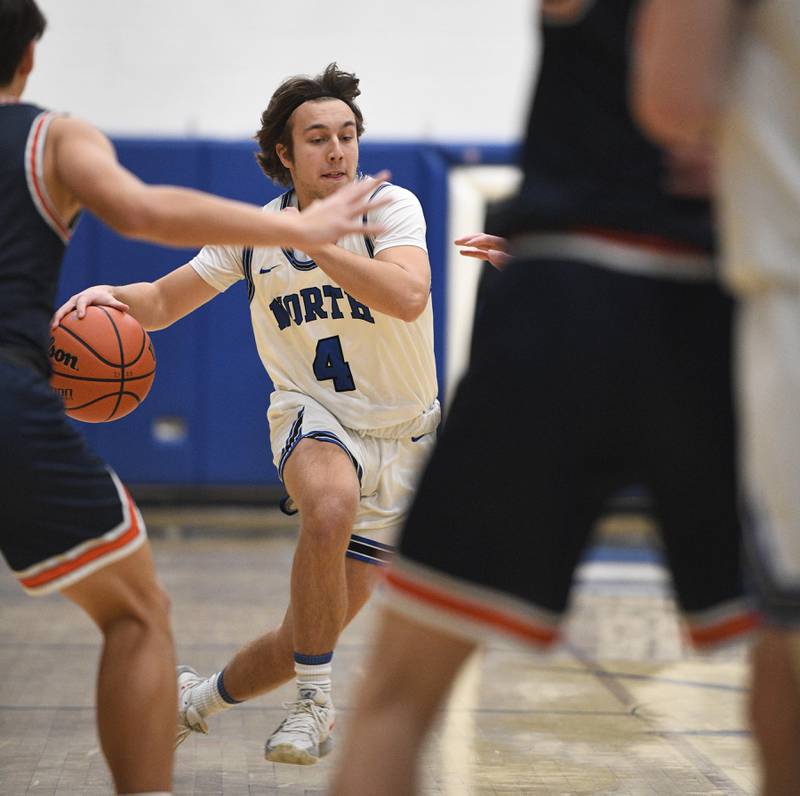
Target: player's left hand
(486,247)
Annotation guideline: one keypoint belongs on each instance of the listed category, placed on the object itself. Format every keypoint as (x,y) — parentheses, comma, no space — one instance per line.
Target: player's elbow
(673,119)
(414,305)
(132,217)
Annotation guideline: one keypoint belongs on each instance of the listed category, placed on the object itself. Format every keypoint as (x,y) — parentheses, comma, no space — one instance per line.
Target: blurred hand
(329,219)
(486,247)
(99,294)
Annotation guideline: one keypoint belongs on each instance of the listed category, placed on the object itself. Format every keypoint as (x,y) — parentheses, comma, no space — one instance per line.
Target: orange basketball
(103,364)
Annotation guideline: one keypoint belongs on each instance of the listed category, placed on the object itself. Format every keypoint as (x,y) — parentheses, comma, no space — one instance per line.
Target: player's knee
(330,519)
(145,607)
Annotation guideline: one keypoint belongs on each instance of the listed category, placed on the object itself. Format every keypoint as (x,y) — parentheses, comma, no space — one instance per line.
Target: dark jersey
(585,162)
(32,235)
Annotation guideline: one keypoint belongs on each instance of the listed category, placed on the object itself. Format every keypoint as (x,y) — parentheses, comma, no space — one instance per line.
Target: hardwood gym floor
(621,708)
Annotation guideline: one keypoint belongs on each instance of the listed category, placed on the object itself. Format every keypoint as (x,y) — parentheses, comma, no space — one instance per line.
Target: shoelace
(191,715)
(195,720)
(296,721)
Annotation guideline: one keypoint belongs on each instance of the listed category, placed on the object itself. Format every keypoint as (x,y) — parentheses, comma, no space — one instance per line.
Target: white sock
(316,674)
(210,696)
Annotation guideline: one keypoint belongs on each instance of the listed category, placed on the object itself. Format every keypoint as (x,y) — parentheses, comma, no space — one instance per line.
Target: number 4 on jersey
(329,363)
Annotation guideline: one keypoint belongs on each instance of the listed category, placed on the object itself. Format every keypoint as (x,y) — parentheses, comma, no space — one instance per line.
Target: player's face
(325,148)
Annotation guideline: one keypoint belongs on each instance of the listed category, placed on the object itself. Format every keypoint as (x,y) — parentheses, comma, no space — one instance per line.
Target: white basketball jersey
(760,151)
(368,369)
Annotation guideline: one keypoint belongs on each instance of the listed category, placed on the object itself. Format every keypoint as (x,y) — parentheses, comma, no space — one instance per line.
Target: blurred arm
(681,54)
(86,165)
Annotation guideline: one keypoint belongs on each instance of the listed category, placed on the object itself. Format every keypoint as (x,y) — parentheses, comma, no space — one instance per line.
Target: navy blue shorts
(63,512)
(582,380)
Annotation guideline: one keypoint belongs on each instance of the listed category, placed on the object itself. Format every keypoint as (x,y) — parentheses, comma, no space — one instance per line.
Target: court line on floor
(706,767)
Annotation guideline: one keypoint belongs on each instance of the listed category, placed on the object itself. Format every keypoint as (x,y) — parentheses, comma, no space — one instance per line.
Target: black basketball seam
(123,364)
(89,348)
(102,397)
(121,359)
(100,379)
(141,349)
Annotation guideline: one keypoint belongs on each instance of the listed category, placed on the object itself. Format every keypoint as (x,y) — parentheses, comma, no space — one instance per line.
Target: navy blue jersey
(32,235)
(585,162)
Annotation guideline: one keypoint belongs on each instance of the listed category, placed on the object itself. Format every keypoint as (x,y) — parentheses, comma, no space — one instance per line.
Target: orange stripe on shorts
(528,632)
(66,567)
(722,631)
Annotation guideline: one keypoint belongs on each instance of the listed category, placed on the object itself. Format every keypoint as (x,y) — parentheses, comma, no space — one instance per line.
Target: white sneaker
(189,719)
(305,734)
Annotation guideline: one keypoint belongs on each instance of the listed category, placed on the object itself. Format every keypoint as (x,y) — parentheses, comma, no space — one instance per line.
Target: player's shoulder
(64,128)
(399,199)
(393,192)
(278,203)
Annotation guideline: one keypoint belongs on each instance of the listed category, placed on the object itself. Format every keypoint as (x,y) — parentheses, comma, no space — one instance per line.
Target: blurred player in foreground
(346,334)
(66,522)
(600,358)
(726,72)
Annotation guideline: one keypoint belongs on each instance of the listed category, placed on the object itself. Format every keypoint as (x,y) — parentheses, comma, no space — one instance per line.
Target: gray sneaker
(189,719)
(304,736)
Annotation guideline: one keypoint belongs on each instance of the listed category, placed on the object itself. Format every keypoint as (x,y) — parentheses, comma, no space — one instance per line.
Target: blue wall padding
(209,375)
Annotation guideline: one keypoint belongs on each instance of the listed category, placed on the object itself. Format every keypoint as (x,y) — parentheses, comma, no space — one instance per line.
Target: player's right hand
(332,218)
(99,294)
(486,247)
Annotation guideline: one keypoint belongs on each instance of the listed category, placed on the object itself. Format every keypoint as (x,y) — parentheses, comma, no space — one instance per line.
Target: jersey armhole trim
(368,241)
(34,174)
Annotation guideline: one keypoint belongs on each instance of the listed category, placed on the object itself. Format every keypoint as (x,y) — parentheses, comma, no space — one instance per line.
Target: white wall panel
(432,69)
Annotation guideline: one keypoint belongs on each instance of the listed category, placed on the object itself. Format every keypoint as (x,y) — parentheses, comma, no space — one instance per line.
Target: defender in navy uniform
(66,522)
(601,357)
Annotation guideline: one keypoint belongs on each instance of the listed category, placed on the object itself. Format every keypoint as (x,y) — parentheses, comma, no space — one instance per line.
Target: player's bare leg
(136,679)
(775,710)
(268,662)
(323,484)
(260,666)
(411,671)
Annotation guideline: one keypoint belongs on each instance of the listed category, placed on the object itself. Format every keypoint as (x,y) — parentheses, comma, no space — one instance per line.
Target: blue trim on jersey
(367,240)
(310,265)
(294,261)
(247,269)
(313,660)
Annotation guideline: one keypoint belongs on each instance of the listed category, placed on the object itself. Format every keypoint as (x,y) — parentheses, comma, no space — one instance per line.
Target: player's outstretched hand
(99,294)
(329,219)
(486,247)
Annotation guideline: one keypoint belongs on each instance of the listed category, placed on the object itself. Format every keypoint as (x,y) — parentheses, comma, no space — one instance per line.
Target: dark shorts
(63,512)
(582,380)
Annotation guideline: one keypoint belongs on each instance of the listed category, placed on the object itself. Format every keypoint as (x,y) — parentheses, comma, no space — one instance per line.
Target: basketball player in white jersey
(736,84)
(346,334)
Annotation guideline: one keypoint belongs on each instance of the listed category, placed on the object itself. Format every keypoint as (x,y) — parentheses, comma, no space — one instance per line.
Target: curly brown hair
(333,83)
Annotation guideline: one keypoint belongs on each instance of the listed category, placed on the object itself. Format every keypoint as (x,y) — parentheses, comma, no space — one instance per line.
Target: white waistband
(616,255)
(422,424)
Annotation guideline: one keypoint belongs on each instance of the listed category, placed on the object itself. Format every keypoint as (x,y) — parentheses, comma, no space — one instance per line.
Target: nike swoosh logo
(417,439)
(267,270)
